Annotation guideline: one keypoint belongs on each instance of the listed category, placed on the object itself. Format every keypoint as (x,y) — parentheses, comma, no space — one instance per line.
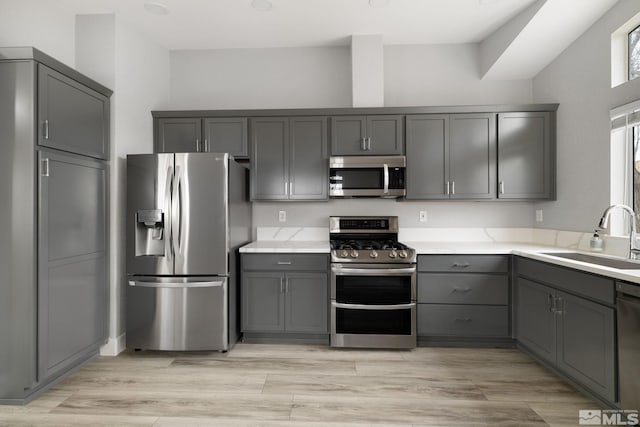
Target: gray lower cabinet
(284,293)
(212,135)
(54,245)
(575,333)
(367,135)
(463,297)
(526,148)
(289,158)
(451,156)
(71,116)
(72,260)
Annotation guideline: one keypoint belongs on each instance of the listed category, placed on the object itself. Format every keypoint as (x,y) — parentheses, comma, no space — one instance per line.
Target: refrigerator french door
(178,251)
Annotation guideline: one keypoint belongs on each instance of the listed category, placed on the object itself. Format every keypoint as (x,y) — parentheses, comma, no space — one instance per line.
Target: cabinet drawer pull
(501,187)
(282,285)
(46,129)
(363,144)
(463,290)
(284,262)
(463,319)
(461,264)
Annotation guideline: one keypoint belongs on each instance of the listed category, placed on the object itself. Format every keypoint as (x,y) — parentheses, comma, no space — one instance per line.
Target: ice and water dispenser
(150,233)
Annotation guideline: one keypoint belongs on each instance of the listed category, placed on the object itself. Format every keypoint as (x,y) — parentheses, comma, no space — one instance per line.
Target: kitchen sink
(599,260)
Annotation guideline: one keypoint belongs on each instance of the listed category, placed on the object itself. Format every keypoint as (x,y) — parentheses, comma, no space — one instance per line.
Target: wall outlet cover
(539,215)
(423,216)
(282,216)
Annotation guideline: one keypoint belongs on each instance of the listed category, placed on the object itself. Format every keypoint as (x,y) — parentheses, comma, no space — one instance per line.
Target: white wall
(261,78)
(445,75)
(40,24)
(139,73)
(580,81)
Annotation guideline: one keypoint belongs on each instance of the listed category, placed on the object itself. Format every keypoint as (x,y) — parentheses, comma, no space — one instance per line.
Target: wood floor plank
(72,420)
(226,422)
(415,411)
(370,386)
(274,365)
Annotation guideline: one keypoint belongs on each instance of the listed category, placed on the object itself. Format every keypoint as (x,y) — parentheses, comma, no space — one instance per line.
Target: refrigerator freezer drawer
(177,314)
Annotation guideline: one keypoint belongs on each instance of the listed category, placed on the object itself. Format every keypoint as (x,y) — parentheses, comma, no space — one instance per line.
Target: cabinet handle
(286,284)
(45,167)
(463,319)
(447,187)
(369,144)
(559,302)
(197,145)
(501,187)
(205,145)
(282,285)
(550,302)
(291,188)
(46,129)
(363,144)
(286,188)
(284,262)
(461,264)
(453,187)
(462,290)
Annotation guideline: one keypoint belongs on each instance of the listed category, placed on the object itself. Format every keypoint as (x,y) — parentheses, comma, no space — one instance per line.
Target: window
(625,164)
(634,53)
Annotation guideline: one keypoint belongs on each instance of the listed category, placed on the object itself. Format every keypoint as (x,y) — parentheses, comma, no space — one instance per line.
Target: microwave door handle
(386,179)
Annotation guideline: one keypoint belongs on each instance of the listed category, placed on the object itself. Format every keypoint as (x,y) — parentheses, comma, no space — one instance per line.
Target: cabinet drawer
(590,285)
(463,320)
(285,262)
(466,288)
(464,263)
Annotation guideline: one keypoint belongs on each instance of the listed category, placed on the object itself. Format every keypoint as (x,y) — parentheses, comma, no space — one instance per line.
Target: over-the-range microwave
(367,176)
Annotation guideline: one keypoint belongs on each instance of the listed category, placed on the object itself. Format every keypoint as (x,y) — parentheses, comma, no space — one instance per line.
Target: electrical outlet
(282,216)
(539,215)
(423,216)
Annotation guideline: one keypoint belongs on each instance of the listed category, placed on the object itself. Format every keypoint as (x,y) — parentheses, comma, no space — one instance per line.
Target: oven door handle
(373,307)
(373,271)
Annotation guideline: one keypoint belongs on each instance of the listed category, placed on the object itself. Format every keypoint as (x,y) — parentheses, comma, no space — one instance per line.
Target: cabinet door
(307,302)
(309,164)
(72,117)
(179,136)
(524,156)
(427,156)
(72,265)
(385,135)
(472,161)
(586,334)
(348,136)
(270,159)
(262,302)
(226,135)
(535,322)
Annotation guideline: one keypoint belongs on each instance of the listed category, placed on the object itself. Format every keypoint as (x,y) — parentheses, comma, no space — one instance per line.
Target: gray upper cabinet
(72,259)
(192,135)
(525,156)
(451,156)
(367,135)
(226,135)
(71,116)
(289,158)
(178,136)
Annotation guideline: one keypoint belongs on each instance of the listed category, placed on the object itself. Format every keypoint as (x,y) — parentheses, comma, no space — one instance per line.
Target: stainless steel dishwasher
(628,304)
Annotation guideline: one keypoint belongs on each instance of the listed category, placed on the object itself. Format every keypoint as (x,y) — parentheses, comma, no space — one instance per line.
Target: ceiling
(224,24)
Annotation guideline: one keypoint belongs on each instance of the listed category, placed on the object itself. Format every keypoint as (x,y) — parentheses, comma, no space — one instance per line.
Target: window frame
(636,73)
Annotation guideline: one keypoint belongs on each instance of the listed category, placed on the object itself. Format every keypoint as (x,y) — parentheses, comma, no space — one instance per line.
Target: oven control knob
(354,254)
(403,253)
(344,254)
(373,254)
(393,253)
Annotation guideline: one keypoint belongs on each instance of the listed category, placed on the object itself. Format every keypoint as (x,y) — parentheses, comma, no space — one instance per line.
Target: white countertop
(527,250)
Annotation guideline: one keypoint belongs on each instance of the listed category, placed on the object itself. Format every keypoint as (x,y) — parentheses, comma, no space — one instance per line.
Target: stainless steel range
(373,284)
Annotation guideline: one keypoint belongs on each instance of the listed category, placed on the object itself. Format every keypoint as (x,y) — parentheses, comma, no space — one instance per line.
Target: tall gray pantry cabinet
(54,132)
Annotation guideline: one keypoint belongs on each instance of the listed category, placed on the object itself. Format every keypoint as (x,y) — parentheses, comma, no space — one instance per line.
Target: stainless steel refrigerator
(187,214)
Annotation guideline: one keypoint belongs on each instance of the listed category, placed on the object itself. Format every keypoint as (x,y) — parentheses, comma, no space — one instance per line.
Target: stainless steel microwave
(367,176)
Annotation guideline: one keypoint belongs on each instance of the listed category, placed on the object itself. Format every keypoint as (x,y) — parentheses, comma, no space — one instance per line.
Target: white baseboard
(114,346)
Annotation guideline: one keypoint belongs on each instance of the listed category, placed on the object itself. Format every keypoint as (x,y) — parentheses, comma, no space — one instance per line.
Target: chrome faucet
(634,250)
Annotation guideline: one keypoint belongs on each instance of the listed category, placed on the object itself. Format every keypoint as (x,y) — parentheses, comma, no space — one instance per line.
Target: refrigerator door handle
(145,284)
(176,214)
(167,220)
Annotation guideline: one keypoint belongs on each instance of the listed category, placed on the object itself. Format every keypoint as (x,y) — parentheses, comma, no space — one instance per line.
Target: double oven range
(373,284)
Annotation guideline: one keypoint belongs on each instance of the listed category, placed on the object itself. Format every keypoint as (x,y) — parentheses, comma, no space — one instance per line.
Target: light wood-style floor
(295,385)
